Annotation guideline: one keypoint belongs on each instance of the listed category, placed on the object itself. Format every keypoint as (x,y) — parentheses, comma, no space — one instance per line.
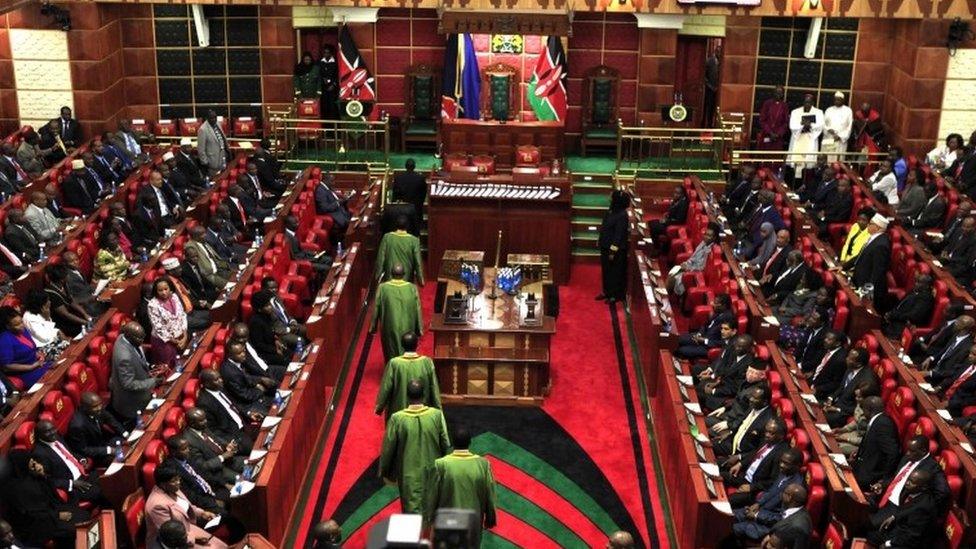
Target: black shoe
(600,297)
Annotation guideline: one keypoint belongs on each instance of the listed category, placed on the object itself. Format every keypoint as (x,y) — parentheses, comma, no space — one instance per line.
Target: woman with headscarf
(32,505)
(307,79)
(169,323)
(766,248)
(613,247)
(19,355)
(37,319)
(110,261)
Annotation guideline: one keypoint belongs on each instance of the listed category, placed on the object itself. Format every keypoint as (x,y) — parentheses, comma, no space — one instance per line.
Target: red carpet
(544,501)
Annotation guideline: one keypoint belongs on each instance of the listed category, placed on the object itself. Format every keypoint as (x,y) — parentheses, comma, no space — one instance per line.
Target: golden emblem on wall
(507,43)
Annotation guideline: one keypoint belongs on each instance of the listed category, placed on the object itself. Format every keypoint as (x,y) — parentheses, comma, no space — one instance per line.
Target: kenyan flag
(547,89)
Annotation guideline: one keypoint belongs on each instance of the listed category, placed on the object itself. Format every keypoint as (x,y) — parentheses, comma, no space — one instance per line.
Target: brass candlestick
(494,283)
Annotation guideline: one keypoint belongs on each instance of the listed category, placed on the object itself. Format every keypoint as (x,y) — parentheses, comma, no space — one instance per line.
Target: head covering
(170,263)
(768,246)
(186,141)
(168,155)
(839,95)
(301,69)
(880,221)
(260,299)
(77,164)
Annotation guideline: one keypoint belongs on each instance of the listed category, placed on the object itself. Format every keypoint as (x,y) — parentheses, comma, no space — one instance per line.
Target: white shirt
(163,208)
(790,511)
(941,155)
(756,461)
(895,496)
(56,446)
(41,329)
(840,119)
(886,185)
(870,421)
(225,402)
(257,358)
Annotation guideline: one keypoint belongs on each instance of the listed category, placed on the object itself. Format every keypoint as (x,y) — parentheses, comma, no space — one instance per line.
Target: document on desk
(694,408)
(212,522)
(710,469)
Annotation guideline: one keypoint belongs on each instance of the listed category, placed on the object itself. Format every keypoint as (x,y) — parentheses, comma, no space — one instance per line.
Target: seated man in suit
(704,373)
(80,290)
(93,433)
(189,165)
(175,186)
(742,208)
(794,274)
(226,249)
(197,310)
(320,261)
(747,434)
(953,226)
(68,471)
(54,202)
(98,186)
(931,215)
(213,455)
(203,292)
(949,352)
(247,392)
(44,224)
(808,350)
(189,189)
(167,204)
(268,190)
(213,267)
(696,345)
(959,389)
(887,493)
(20,239)
(877,454)
(677,214)
(202,488)
(795,529)
(132,380)
(914,309)
(254,363)
(752,523)
(773,267)
(839,406)
(923,346)
(836,207)
(147,223)
(75,188)
(916,521)
(267,338)
(329,202)
(223,416)
(110,169)
(294,330)
(245,214)
(958,254)
(753,472)
(828,374)
(725,382)
(268,167)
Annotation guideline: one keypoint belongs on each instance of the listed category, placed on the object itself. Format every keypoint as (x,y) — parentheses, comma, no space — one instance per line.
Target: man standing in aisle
(838,120)
(400,372)
(329,69)
(415,437)
(806,125)
(462,480)
(212,145)
(774,121)
(398,310)
(400,248)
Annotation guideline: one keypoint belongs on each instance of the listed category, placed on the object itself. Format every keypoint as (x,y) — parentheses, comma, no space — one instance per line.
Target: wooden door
(689,73)
(313,39)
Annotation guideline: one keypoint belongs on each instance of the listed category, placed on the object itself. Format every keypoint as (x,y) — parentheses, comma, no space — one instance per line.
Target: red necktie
(11,257)
(66,455)
(895,482)
(769,261)
(241,211)
(21,174)
(959,381)
(820,366)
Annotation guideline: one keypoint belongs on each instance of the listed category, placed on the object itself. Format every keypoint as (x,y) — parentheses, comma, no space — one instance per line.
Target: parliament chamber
(687,273)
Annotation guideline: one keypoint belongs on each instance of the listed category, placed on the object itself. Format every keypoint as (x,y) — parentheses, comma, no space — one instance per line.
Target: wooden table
(493,358)
(528,226)
(499,139)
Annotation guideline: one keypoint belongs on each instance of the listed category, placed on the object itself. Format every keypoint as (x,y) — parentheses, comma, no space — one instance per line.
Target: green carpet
(586,200)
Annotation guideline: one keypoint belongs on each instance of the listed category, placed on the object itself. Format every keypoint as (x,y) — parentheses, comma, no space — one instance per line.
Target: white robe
(804,145)
(839,119)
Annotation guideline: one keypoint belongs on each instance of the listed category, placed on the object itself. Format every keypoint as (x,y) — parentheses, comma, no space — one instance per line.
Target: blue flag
(461,93)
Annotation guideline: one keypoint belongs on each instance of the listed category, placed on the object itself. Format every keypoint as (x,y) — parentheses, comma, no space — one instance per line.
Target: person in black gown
(613,247)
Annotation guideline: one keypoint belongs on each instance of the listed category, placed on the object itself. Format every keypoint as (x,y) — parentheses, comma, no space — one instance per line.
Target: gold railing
(748,156)
(356,144)
(675,151)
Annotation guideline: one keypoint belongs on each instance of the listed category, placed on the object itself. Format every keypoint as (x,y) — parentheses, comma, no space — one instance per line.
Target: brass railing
(340,143)
(749,156)
(675,150)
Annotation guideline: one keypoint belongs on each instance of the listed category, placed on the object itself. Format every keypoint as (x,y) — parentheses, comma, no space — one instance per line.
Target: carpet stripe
(537,517)
(522,534)
(358,537)
(544,496)
(546,474)
(491,540)
(373,505)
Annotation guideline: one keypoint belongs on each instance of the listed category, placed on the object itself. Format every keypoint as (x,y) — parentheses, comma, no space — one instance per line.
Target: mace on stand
(494,283)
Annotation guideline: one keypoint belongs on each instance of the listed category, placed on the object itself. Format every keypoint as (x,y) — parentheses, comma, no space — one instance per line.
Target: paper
(823,427)
(752,282)
(772,320)
(241,488)
(840,459)
(937,263)
(212,522)
(321,299)
(723,507)
(313,318)
(270,421)
(135,435)
(173,377)
(154,404)
(35,388)
(945,414)
(926,387)
(693,407)
(812,399)
(710,469)
(217,304)
(686,380)
(405,529)
(100,285)
(115,467)
(256,455)
(966,446)
(294,367)
(700,437)
(674,270)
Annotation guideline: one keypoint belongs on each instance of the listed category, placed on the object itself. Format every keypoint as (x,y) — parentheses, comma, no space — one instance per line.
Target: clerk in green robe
(461,480)
(399,371)
(403,248)
(397,309)
(415,437)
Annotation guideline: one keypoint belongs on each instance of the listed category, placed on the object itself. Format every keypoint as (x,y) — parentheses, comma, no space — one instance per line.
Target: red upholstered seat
(527,155)
(140,125)
(173,422)
(901,408)
(134,511)
(165,128)
(954,530)
(83,377)
(156,452)
(190,391)
(189,126)
(835,536)
(24,436)
(453,161)
(245,126)
(58,409)
(484,163)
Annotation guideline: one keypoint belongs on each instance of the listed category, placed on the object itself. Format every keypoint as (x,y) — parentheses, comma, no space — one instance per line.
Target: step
(581,222)
(585,252)
(594,186)
(590,201)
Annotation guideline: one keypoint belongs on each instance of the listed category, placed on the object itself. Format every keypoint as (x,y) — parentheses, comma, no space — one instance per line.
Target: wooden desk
(528,226)
(648,293)
(493,358)
(499,139)
(98,532)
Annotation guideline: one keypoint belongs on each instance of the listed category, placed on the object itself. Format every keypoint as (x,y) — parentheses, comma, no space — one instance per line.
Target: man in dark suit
(840,405)
(746,435)
(411,187)
(786,282)
(871,265)
(829,372)
(49,135)
(251,183)
(132,380)
(753,472)
(915,308)
(321,261)
(877,455)
(887,493)
(916,522)
(726,380)
(795,529)
(80,290)
(162,198)
(268,183)
(54,202)
(953,226)
(958,254)
(932,213)
(924,346)
(188,188)
(189,165)
(98,186)
(226,249)
(766,212)
(210,453)
(946,354)
(836,208)
(93,433)
(245,213)
(269,169)
(247,392)
(200,288)
(254,364)
(267,335)
(774,266)
(330,203)
(19,238)
(743,207)
(705,372)
(14,174)
(68,471)
(815,189)
(960,391)
(147,224)
(696,345)
(76,187)
(68,128)
(223,416)
(755,521)
(202,488)
(809,350)
(738,184)
(109,169)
